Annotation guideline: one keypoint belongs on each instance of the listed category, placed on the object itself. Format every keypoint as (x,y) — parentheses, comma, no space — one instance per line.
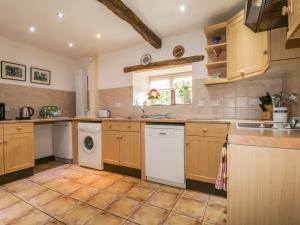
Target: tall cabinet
(293,11)
(1,151)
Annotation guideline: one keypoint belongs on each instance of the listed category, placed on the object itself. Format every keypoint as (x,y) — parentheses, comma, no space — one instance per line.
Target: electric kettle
(25,112)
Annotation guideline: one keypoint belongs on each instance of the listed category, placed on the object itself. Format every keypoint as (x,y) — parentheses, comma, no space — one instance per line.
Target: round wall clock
(178,51)
(146,59)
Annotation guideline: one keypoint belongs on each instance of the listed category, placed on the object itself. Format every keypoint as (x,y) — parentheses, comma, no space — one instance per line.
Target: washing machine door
(88,143)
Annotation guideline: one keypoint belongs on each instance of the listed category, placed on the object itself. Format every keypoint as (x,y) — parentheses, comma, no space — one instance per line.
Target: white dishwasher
(164,149)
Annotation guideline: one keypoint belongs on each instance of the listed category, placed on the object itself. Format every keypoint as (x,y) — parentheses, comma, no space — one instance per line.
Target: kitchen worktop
(37,121)
(289,139)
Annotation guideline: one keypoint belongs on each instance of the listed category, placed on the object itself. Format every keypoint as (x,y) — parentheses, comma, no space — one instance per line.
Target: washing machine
(89,145)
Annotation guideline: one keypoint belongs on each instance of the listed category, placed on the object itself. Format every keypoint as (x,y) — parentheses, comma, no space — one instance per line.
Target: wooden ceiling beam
(125,13)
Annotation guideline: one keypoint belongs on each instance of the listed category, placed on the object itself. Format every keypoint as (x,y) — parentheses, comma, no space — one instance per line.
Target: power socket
(7,108)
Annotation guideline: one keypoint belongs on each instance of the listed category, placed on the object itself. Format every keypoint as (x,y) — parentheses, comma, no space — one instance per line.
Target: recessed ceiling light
(98,35)
(60,15)
(182,8)
(32,29)
(71,45)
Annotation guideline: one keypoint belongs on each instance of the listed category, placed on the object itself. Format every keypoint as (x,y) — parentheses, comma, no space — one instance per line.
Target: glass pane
(88,143)
(160,84)
(180,80)
(183,95)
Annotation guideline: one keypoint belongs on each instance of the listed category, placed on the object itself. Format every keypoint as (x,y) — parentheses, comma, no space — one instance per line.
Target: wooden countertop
(38,121)
(289,139)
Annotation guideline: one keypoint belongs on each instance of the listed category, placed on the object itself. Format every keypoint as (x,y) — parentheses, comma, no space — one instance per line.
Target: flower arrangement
(153,94)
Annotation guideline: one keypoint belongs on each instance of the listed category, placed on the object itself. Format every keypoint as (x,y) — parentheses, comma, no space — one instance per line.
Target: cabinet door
(294,19)
(18,152)
(130,150)
(110,147)
(1,151)
(203,158)
(248,52)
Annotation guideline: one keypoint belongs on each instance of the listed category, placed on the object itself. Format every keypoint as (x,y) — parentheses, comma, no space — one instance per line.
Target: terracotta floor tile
(178,219)
(171,189)
(59,206)
(199,196)
(215,200)
(7,200)
(149,215)
(124,207)
(190,207)
(18,186)
(85,193)
(120,187)
(68,187)
(53,184)
(163,199)
(102,199)
(148,184)
(41,179)
(29,193)
(34,218)
(54,222)
(132,180)
(140,193)
(79,215)
(114,176)
(106,219)
(215,214)
(44,198)
(102,183)
(88,179)
(73,174)
(207,223)
(82,169)
(14,212)
(130,223)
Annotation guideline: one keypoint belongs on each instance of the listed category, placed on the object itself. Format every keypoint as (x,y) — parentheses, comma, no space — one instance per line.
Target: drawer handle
(19,128)
(119,137)
(204,130)
(129,127)
(110,126)
(5,141)
(162,133)
(187,143)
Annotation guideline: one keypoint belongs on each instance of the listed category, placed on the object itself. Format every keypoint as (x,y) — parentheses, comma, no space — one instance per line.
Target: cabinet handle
(204,130)
(129,127)
(5,141)
(242,73)
(19,128)
(265,52)
(1,142)
(119,137)
(187,143)
(109,126)
(286,10)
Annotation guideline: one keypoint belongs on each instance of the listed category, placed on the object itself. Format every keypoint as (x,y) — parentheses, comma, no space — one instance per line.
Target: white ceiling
(85,18)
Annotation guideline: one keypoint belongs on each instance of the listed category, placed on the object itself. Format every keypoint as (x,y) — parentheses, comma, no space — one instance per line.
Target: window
(173,89)
(168,86)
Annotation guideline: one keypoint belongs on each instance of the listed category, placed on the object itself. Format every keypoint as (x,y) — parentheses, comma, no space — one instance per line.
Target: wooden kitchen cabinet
(247,52)
(111,146)
(293,11)
(203,150)
(18,147)
(121,144)
(1,151)
(263,185)
(130,155)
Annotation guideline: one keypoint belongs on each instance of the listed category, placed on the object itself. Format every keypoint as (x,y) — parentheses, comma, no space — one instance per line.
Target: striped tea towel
(221,182)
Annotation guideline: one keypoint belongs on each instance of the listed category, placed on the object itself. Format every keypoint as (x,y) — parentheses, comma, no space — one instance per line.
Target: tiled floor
(69,194)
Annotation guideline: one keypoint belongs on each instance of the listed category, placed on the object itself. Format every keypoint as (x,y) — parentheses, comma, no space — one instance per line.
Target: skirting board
(44,160)
(123,170)
(6,178)
(204,187)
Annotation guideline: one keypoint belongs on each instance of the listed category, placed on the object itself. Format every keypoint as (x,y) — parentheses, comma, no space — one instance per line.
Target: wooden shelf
(222,46)
(216,29)
(216,81)
(165,64)
(213,65)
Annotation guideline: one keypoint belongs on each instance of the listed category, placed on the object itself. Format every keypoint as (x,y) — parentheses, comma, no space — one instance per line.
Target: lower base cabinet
(121,144)
(203,158)
(263,185)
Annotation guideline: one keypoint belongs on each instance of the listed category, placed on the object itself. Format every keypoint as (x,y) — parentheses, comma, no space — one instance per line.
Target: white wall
(62,69)
(111,64)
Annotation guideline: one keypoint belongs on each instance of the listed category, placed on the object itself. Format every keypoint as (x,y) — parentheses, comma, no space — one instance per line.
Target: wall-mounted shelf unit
(216,53)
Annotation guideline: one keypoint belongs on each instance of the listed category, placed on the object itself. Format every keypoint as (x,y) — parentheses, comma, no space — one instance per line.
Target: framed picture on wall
(40,76)
(13,71)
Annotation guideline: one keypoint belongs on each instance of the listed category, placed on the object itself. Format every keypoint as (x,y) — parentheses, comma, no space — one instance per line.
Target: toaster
(104,113)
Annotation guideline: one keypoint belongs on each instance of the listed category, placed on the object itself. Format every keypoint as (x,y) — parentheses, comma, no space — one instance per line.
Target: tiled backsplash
(16,96)
(291,84)
(237,100)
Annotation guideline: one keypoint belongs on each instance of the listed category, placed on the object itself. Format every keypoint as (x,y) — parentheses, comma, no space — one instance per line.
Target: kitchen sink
(266,125)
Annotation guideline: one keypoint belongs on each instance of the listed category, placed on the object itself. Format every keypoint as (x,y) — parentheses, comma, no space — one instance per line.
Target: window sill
(169,105)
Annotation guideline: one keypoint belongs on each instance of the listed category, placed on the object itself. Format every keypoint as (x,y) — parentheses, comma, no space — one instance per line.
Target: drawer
(18,128)
(111,125)
(130,126)
(206,129)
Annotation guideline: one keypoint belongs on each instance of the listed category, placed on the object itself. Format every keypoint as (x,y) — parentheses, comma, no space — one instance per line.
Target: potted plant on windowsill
(153,96)
(184,91)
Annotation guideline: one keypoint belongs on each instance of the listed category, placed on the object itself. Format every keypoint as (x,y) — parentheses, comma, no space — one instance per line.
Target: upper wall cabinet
(293,11)
(247,52)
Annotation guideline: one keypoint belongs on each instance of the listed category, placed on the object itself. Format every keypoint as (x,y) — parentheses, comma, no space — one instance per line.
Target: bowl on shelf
(216,39)
(215,76)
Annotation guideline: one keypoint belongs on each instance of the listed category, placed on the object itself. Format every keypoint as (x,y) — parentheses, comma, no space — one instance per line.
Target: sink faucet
(142,110)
